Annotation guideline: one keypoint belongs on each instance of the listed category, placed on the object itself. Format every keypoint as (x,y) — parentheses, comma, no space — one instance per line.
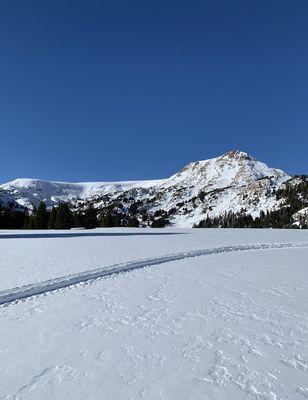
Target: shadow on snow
(81,234)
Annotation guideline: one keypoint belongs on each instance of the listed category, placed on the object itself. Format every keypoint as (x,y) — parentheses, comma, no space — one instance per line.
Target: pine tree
(79,219)
(29,222)
(133,222)
(65,218)
(106,221)
(53,218)
(41,217)
(90,218)
(133,209)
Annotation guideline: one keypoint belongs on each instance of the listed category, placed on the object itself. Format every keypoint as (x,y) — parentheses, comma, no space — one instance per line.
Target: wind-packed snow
(228,325)
(51,254)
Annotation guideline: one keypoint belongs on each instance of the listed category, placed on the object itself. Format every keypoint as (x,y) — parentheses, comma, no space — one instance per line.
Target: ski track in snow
(49,376)
(21,293)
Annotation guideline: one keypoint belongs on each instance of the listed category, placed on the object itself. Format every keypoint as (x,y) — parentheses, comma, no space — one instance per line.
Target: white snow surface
(231,325)
(28,192)
(239,180)
(301,216)
(34,256)
(233,168)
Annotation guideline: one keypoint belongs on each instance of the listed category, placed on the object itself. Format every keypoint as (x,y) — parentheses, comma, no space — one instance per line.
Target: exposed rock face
(234,182)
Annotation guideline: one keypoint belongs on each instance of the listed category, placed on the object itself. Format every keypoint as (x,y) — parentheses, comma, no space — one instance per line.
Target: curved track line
(23,292)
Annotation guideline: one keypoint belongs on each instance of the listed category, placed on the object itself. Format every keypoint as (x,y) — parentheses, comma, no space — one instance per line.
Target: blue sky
(120,90)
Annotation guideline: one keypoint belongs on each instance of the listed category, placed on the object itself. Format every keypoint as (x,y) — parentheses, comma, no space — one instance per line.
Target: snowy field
(190,314)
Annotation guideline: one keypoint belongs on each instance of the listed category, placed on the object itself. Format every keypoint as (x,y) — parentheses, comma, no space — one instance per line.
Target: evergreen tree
(53,218)
(79,219)
(10,219)
(107,221)
(65,218)
(41,217)
(133,222)
(133,209)
(160,222)
(118,220)
(90,218)
(29,222)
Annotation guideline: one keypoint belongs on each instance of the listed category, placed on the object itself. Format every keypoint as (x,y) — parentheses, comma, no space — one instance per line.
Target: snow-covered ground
(230,323)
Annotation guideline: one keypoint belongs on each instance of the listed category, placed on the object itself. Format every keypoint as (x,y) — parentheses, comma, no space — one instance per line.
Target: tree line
(59,217)
(294,198)
(63,216)
(279,219)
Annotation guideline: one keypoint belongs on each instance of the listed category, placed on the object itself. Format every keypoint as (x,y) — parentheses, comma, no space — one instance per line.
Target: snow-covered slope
(231,182)
(221,326)
(234,168)
(29,192)
(234,182)
(301,217)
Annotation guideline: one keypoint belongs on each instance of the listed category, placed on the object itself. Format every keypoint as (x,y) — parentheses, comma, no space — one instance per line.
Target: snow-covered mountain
(234,182)
(30,192)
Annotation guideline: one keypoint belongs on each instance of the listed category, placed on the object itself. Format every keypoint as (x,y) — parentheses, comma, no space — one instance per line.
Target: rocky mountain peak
(237,154)
(232,182)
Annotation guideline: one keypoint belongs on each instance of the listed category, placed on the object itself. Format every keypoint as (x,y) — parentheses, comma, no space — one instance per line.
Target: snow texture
(233,182)
(222,325)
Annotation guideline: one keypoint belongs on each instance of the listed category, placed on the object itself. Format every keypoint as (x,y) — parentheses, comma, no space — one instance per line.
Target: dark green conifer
(53,218)
(90,218)
(65,219)
(41,217)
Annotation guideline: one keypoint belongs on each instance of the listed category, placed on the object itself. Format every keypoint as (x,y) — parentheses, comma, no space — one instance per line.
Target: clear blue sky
(110,90)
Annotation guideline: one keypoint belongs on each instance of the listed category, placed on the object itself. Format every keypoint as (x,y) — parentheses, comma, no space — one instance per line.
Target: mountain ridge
(234,182)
